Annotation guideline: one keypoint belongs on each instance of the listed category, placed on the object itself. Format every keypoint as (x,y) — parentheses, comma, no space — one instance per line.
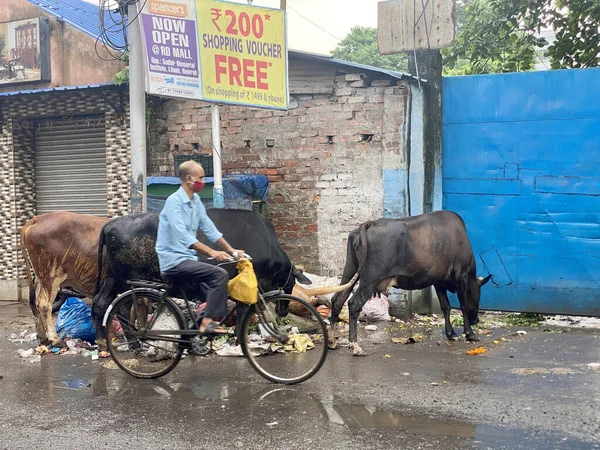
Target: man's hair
(186,168)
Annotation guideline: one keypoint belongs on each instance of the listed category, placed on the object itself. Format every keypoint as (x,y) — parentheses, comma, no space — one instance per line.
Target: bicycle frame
(164,290)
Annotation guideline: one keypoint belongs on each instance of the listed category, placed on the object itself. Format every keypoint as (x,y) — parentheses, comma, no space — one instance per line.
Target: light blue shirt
(178,222)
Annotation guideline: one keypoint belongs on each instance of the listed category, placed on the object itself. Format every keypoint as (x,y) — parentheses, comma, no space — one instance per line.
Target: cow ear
(300,276)
(482,281)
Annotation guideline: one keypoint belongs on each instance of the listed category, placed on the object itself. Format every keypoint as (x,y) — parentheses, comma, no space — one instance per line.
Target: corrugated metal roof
(81,15)
(391,73)
(55,89)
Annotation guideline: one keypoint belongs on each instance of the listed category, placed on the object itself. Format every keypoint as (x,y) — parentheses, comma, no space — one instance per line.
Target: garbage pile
(376,309)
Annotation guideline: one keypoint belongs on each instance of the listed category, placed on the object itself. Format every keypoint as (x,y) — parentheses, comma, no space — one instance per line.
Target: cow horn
(331,289)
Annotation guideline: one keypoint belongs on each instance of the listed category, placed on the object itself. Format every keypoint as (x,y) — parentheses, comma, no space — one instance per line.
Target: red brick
(269,171)
(275,178)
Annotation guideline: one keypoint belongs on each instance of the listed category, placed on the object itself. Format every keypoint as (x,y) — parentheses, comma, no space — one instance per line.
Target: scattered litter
(272,424)
(23,337)
(405,374)
(376,308)
(230,350)
(75,321)
(484,332)
(476,351)
(104,354)
(388,356)
(522,332)
(371,327)
(89,353)
(110,365)
(496,342)
(435,384)
(345,314)
(594,366)
(324,311)
(35,359)
(297,343)
(408,340)
(26,353)
(503,339)
(42,350)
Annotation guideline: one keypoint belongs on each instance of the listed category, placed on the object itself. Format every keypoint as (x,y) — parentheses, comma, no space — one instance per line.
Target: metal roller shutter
(70,166)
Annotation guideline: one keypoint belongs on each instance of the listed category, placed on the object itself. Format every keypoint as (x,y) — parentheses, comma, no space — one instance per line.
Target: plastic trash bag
(244,287)
(377,308)
(75,321)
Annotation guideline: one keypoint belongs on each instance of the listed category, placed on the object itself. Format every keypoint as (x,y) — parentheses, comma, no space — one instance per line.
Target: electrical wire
(310,21)
(113,25)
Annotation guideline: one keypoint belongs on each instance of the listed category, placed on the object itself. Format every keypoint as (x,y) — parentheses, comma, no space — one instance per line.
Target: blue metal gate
(521,165)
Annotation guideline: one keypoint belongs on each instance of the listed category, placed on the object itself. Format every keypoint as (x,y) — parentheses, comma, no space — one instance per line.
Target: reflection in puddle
(358,416)
(73,384)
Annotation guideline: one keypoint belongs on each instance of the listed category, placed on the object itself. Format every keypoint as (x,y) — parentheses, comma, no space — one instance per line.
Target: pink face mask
(198,185)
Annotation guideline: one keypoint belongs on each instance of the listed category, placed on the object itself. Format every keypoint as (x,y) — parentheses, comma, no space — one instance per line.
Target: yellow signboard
(243,54)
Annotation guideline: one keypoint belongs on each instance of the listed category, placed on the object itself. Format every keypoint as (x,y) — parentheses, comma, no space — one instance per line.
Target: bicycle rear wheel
(126,323)
(284,339)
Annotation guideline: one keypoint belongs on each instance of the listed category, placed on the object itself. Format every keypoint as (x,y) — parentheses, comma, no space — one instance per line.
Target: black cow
(130,253)
(411,253)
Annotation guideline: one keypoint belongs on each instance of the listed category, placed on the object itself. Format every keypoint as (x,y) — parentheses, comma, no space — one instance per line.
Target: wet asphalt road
(531,392)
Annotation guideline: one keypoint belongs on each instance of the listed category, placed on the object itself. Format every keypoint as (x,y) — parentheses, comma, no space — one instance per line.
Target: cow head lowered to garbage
(411,253)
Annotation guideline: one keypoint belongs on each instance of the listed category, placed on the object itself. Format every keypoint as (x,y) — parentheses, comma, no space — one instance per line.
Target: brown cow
(61,248)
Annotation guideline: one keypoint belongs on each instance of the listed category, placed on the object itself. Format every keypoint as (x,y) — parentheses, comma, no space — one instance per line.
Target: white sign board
(406,25)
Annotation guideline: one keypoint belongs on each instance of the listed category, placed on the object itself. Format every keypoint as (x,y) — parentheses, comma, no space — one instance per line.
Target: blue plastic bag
(75,321)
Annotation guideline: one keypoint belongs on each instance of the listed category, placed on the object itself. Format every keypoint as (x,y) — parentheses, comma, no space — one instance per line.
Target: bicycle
(147,333)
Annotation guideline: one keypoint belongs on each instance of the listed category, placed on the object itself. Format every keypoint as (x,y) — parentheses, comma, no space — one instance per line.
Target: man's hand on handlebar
(237,254)
(221,256)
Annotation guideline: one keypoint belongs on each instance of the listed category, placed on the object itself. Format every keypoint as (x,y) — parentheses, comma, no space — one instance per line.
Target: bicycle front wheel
(133,324)
(284,339)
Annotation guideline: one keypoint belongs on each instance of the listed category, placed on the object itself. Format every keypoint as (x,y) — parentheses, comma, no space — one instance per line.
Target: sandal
(215,329)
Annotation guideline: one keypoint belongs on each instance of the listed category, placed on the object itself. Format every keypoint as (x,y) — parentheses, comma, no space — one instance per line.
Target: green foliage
(457,321)
(500,35)
(360,46)
(122,76)
(524,319)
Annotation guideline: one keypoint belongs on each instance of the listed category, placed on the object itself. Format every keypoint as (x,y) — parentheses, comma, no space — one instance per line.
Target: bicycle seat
(147,284)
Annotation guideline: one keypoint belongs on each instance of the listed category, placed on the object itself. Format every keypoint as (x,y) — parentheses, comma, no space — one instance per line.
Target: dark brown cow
(61,248)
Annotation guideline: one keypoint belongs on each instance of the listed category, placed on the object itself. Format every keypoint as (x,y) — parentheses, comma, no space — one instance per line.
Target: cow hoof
(472,338)
(453,337)
(102,345)
(333,345)
(357,351)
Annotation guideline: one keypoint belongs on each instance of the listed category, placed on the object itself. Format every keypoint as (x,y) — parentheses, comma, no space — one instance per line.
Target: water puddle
(73,384)
(360,416)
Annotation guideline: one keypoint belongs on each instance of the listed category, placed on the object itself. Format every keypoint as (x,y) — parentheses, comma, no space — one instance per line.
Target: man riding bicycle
(177,246)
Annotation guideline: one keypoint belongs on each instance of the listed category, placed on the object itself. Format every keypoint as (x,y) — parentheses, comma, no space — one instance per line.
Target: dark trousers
(202,281)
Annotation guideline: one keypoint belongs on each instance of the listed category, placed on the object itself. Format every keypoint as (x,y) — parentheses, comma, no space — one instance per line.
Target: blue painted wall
(521,165)
(395,201)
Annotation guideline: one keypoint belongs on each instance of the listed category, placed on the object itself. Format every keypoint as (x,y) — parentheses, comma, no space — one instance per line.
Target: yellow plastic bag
(244,287)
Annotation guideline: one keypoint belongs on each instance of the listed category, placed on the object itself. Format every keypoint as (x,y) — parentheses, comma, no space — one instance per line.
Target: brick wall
(324,157)
(17,163)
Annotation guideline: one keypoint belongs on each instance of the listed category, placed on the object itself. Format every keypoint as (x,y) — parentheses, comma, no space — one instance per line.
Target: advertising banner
(243,54)
(24,51)
(171,47)
(216,51)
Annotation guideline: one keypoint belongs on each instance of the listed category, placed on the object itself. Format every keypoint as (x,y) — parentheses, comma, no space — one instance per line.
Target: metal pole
(218,200)
(282,4)
(137,114)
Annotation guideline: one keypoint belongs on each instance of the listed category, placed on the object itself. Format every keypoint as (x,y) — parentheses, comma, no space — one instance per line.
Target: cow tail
(101,242)
(29,270)
(360,247)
